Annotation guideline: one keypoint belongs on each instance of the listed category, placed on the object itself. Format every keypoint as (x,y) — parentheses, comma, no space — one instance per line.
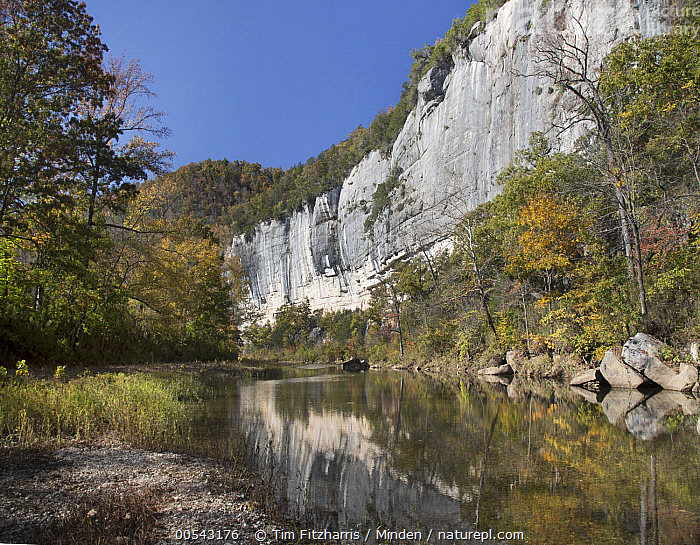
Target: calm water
(396,452)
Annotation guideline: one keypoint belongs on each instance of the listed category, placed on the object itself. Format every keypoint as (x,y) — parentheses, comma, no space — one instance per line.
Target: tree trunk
(397,309)
(479,280)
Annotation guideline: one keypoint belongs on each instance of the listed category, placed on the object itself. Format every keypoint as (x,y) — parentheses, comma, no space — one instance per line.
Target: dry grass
(113,518)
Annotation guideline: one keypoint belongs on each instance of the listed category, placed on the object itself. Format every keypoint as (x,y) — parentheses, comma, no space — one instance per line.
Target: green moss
(381,198)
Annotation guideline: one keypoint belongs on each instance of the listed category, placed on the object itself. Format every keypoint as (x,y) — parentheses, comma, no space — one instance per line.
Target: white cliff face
(465,129)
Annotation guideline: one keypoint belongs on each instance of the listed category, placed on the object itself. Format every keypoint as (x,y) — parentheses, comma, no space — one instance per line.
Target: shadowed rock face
(464,130)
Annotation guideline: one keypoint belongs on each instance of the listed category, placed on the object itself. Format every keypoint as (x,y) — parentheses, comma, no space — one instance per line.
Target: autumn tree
(112,136)
(565,58)
(386,308)
(476,253)
(186,297)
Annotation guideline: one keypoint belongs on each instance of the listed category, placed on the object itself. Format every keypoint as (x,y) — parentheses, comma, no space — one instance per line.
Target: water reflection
(644,414)
(384,450)
(317,438)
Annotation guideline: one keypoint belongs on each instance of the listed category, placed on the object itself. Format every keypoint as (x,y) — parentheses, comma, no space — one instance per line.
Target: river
(375,454)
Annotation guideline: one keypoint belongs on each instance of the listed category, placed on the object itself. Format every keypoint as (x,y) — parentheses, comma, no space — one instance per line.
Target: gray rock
(504,369)
(685,380)
(592,375)
(454,146)
(659,373)
(696,390)
(512,359)
(355,365)
(619,375)
(617,403)
(695,352)
(641,350)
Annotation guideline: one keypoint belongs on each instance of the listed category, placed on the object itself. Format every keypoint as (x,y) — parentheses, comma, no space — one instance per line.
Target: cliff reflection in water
(392,451)
(328,460)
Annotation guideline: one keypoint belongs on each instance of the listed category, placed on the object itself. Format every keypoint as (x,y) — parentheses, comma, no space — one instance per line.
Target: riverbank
(541,366)
(112,458)
(108,492)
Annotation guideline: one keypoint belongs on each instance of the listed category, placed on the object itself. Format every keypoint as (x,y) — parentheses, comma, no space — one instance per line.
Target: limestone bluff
(466,127)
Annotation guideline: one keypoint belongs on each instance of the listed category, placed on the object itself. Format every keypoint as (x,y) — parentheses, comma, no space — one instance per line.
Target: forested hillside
(107,256)
(98,262)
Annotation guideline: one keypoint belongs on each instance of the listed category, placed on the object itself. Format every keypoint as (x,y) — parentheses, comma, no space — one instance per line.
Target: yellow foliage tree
(550,243)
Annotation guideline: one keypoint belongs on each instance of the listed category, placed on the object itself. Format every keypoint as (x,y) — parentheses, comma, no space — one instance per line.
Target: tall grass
(143,409)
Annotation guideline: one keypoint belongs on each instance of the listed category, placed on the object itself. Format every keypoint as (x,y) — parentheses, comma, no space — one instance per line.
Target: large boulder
(355,365)
(513,359)
(641,350)
(620,375)
(660,373)
(504,369)
(685,380)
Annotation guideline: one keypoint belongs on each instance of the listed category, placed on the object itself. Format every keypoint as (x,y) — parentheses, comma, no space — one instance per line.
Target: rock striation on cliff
(465,129)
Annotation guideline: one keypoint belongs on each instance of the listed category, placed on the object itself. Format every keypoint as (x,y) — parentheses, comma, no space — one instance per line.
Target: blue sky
(272,82)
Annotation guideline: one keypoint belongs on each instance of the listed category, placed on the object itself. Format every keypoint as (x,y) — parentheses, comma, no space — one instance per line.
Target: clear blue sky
(268,81)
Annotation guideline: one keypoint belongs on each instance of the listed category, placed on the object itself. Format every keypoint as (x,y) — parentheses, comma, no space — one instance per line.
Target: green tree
(476,254)
(293,323)
(50,64)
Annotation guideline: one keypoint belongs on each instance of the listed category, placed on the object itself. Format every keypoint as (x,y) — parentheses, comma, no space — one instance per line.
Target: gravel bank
(147,497)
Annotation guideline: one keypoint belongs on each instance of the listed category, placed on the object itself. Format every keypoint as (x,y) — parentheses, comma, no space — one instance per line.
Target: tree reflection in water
(403,451)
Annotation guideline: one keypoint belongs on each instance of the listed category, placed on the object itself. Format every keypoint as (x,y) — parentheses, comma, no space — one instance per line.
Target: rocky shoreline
(132,495)
(638,366)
